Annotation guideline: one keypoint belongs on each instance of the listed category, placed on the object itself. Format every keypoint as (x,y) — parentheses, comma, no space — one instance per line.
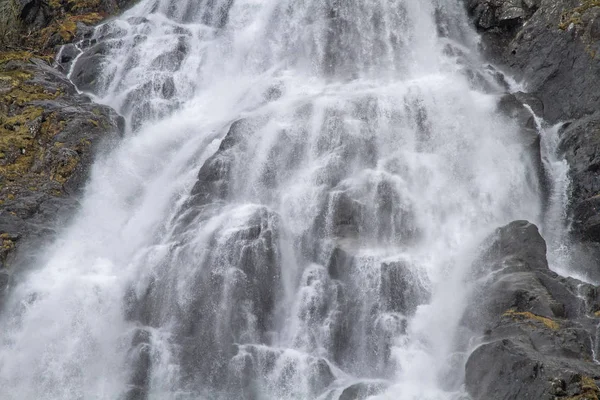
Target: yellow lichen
(588,390)
(77,5)
(574,16)
(65,169)
(518,315)
(89,18)
(16,143)
(67,29)
(6,56)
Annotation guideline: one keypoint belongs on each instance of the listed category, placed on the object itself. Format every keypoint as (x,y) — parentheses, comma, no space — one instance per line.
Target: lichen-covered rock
(41,26)
(538,331)
(48,136)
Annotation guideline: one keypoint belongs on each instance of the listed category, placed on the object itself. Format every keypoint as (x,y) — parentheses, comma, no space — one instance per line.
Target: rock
(88,68)
(241,280)
(49,135)
(550,46)
(401,290)
(580,145)
(36,14)
(360,391)
(514,108)
(139,358)
(538,338)
(214,179)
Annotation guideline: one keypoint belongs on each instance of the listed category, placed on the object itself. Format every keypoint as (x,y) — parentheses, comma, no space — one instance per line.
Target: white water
(363,131)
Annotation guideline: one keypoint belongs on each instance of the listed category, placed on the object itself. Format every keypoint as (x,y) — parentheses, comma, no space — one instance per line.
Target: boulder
(538,332)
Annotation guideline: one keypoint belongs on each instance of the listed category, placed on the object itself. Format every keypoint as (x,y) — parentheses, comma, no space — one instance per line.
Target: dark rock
(537,336)
(363,390)
(401,290)
(141,363)
(345,214)
(548,46)
(66,56)
(87,70)
(580,145)
(515,109)
(41,180)
(240,280)
(36,14)
(214,178)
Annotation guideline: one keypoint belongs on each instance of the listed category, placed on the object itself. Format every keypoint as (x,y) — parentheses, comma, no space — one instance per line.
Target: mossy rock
(528,316)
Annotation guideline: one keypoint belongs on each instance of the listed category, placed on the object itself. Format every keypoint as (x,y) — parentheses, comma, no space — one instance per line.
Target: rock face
(48,135)
(538,327)
(48,132)
(552,45)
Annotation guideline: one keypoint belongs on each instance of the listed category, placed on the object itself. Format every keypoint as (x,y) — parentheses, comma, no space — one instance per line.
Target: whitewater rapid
(292,213)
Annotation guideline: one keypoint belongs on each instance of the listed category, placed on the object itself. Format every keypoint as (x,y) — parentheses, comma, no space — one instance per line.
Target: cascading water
(291,215)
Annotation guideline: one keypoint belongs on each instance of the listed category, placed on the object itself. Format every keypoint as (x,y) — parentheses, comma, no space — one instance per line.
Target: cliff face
(540,329)
(554,46)
(48,132)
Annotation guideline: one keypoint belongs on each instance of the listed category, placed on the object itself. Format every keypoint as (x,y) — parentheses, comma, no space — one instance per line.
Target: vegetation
(526,315)
(574,16)
(9,22)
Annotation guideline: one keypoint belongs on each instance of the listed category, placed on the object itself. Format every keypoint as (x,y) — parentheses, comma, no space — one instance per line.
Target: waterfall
(292,213)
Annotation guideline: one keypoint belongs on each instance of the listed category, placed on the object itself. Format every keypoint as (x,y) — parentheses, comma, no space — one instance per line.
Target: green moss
(10,25)
(16,143)
(6,56)
(77,5)
(55,4)
(67,29)
(517,315)
(65,169)
(588,390)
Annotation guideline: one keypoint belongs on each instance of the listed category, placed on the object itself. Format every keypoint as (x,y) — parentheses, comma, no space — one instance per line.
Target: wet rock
(215,179)
(36,14)
(372,301)
(360,391)
(345,214)
(140,360)
(240,279)
(555,50)
(580,145)
(290,371)
(66,56)
(401,289)
(537,331)
(49,137)
(515,109)
(87,70)
(551,46)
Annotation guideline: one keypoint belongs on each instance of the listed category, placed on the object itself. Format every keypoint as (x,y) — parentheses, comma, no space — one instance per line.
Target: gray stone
(537,336)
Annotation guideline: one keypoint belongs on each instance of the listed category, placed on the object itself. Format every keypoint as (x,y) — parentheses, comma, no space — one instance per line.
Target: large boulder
(538,331)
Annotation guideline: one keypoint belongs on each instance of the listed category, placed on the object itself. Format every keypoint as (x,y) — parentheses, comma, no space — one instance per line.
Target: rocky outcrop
(48,132)
(48,136)
(538,328)
(41,26)
(552,45)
